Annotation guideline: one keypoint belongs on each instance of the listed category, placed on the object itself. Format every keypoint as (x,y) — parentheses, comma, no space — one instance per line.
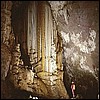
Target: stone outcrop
(6,59)
(6,21)
(41,84)
(7,37)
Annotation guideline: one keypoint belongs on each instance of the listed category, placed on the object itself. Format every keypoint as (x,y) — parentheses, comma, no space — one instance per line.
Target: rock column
(41,34)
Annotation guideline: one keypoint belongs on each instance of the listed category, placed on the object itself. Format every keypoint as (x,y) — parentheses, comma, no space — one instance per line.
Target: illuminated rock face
(6,59)
(44,81)
(79,31)
(79,34)
(80,42)
(80,50)
(6,22)
(7,37)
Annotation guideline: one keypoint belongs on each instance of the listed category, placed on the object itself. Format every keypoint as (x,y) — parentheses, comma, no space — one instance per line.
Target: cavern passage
(45,45)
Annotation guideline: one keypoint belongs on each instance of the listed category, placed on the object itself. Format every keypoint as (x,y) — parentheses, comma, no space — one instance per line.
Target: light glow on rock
(84,47)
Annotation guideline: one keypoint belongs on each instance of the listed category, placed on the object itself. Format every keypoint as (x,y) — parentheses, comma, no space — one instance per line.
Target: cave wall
(81,47)
(81,33)
(78,25)
(7,37)
(7,42)
(19,24)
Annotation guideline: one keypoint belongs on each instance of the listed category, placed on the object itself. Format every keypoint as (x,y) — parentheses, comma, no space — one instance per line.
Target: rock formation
(56,42)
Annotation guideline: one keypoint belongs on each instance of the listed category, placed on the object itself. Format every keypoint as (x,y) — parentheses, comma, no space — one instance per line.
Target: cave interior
(46,45)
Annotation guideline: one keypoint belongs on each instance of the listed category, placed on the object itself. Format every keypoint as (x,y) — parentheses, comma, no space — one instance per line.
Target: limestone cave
(47,45)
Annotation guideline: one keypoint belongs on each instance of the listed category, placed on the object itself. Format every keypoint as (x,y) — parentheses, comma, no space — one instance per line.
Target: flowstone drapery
(41,77)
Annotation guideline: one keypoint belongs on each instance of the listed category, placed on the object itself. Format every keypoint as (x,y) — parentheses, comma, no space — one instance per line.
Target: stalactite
(46,39)
(32,37)
(32,19)
(43,33)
